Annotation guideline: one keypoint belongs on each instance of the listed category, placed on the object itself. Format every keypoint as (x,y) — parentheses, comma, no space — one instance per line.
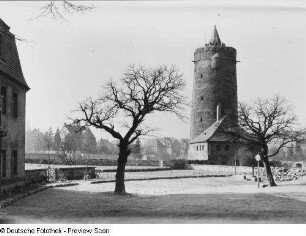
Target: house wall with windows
(224,153)
(198,151)
(13,90)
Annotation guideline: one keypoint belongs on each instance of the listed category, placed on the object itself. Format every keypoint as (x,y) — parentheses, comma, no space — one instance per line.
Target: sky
(66,61)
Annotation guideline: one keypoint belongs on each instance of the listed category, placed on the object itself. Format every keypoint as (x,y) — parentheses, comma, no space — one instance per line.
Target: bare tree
(58,9)
(69,146)
(264,122)
(141,91)
(48,140)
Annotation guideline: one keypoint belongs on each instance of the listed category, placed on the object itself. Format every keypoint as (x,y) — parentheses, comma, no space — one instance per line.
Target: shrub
(178,164)
(198,162)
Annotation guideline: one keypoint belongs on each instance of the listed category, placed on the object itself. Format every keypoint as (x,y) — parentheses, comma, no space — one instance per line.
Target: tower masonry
(214,92)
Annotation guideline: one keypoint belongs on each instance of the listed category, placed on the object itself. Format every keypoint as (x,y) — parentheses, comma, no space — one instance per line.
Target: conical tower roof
(215,39)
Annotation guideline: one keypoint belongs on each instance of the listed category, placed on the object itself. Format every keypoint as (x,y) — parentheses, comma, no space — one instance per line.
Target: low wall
(71,173)
(36,176)
(222,168)
(57,160)
(43,175)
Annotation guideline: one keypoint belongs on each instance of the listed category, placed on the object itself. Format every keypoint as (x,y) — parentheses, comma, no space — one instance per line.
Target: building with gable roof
(12,111)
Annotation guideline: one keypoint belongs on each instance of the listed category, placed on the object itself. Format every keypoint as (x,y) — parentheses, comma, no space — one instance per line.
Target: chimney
(218,111)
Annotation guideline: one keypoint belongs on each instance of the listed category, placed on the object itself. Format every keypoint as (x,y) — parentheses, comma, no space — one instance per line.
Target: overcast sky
(69,61)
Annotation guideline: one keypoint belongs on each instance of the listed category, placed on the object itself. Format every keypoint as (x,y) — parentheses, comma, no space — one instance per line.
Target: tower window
(14,162)
(3,163)
(202,98)
(201,75)
(15,105)
(3,99)
(1,45)
(201,119)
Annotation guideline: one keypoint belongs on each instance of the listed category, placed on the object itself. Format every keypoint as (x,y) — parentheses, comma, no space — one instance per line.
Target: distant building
(12,111)
(162,148)
(214,105)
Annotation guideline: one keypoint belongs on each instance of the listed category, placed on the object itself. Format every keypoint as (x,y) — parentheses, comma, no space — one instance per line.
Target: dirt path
(208,200)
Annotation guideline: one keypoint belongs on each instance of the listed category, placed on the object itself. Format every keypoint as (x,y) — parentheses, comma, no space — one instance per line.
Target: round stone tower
(214,85)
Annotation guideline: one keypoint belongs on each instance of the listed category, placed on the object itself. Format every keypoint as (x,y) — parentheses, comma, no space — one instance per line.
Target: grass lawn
(205,200)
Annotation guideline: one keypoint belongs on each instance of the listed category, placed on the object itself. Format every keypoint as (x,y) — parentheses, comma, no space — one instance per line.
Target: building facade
(163,148)
(214,104)
(12,111)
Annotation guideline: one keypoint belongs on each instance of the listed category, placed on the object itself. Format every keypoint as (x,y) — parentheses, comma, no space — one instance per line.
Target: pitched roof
(9,63)
(210,134)
(215,39)
(156,141)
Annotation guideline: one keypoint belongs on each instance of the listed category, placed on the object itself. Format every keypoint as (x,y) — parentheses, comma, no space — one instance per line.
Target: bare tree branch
(140,92)
(266,121)
(59,9)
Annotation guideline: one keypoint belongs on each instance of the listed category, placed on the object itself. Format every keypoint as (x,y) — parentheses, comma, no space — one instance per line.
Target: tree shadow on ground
(62,206)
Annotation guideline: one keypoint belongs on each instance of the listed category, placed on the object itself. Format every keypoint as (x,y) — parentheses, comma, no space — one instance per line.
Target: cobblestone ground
(204,200)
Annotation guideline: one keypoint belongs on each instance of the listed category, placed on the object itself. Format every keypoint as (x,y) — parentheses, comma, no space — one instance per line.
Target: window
(1,45)
(218,148)
(197,148)
(3,163)
(202,98)
(15,105)
(201,119)
(201,75)
(226,148)
(14,162)
(202,147)
(3,99)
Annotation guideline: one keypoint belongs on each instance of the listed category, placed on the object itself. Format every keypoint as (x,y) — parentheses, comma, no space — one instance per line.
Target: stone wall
(214,82)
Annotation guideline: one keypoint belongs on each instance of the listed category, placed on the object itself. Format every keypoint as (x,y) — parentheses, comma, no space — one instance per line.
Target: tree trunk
(269,174)
(122,159)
